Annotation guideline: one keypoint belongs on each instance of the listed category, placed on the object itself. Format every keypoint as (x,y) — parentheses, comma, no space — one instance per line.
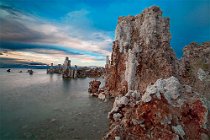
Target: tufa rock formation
(67,68)
(167,111)
(141,52)
(93,87)
(68,71)
(195,67)
(157,95)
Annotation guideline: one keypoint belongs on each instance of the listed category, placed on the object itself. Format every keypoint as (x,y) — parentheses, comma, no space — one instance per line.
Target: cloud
(38,48)
(75,35)
(48,56)
(78,19)
(17,26)
(18,61)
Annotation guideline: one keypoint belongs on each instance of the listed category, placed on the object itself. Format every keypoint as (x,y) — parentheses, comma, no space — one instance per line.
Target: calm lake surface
(44,106)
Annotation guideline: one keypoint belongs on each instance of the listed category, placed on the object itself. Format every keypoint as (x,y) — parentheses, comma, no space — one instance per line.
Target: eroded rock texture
(141,52)
(157,95)
(167,111)
(195,67)
(94,87)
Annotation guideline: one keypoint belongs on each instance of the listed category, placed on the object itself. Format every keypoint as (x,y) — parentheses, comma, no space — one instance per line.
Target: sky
(45,31)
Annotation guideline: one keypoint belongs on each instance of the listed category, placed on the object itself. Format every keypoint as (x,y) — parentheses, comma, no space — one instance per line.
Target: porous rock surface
(94,87)
(167,111)
(141,52)
(195,67)
(156,95)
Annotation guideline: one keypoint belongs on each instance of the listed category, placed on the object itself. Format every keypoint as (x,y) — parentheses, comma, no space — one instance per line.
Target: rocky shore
(157,96)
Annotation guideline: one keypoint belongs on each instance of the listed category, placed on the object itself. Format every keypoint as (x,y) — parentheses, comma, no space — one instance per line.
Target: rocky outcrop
(167,110)
(195,67)
(156,95)
(141,52)
(68,71)
(96,91)
(67,68)
(90,72)
(94,87)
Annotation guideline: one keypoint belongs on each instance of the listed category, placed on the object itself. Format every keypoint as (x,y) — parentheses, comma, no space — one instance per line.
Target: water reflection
(45,106)
(51,77)
(66,85)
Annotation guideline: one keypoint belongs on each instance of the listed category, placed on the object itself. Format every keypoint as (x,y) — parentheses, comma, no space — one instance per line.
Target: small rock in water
(102,96)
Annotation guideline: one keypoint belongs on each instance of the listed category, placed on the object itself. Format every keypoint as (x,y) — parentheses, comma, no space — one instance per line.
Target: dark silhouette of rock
(30,72)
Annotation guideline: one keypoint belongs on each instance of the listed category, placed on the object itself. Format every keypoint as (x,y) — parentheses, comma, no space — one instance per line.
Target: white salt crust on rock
(170,88)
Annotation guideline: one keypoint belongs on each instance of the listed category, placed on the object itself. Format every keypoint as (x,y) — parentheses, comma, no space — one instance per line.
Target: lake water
(43,106)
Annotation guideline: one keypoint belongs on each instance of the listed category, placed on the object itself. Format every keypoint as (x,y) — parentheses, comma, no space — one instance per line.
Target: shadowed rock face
(157,95)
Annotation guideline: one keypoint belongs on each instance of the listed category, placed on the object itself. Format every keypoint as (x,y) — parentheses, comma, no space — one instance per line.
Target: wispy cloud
(75,34)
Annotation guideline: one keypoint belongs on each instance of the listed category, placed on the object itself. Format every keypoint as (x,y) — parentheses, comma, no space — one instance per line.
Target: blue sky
(49,30)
